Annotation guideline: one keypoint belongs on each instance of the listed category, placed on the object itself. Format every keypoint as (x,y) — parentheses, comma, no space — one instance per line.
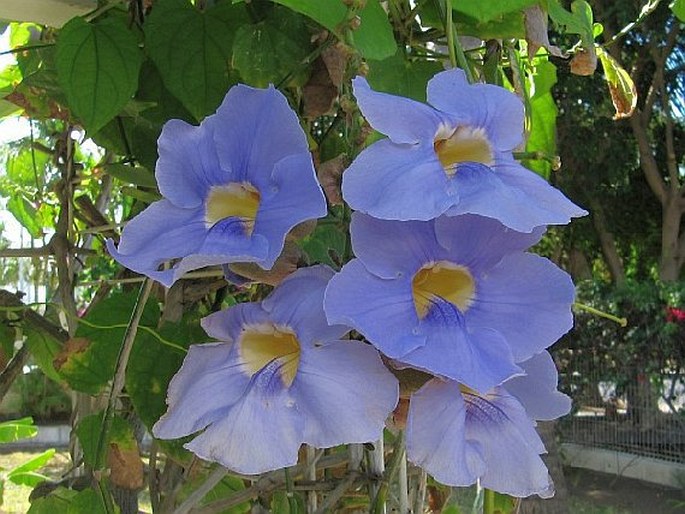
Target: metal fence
(638,414)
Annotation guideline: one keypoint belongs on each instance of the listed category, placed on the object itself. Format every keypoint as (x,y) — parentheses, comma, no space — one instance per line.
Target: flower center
(262,345)
(464,144)
(235,200)
(442,280)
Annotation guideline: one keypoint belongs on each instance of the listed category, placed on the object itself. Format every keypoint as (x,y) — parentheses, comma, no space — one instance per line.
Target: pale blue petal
(479,358)
(253,130)
(546,203)
(490,107)
(537,389)
(382,310)
(401,119)
(345,393)
(298,303)
(482,192)
(508,443)
(528,300)
(159,233)
(479,243)
(227,324)
(401,182)
(209,382)
(188,166)
(436,426)
(263,431)
(393,249)
(292,196)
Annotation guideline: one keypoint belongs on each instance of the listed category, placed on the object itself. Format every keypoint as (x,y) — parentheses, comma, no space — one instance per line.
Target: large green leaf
(25,474)
(678,8)
(69,501)
(192,50)
(25,213)
(269,51)
(44,348)
(97,65)
(88,432)
(16,429)
(490,10)
(87,363)
(374,38)
(578,21)
(543,120)
(401,77)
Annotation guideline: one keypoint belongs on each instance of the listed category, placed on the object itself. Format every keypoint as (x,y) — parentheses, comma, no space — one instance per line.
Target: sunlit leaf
(16,429)
(97,65)
(678,8)
(25,474)
(491,9)
(136,175)
(621,86)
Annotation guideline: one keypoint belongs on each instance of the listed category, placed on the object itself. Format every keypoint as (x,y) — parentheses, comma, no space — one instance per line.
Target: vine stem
(581,306)
(120,375)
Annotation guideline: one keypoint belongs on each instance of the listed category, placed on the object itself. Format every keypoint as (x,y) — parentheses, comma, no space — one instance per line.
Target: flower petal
(188,166)
(263,431)
(528,300)
(392,249)
(202,391)
(159,233)
(479,243)
(382,310)
(227,324)
(479,358)
(493,108)
(435,434)
(401,119)
(401,182)
(298,303)
(345,393)
(537,389)
(253,130)
(292,196)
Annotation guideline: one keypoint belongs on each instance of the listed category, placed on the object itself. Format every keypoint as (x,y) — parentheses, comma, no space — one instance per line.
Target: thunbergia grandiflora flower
(459,435)
(233,187)
(280,377)
(452,158)
(457,297)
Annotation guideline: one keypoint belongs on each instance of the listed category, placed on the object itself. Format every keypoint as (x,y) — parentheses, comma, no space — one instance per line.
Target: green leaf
(228,486)
(510,25)
(678,8)
(491,9)
(578,21)
(88,362)
(325,245)
(25,213)
(145,196)
(88,432)
(543,121)
(24,474)
(192,50)
(44,348)
(621,86)
(21,170)
(401,77)
(16,429)
(97,65)
(374,38)
(59,500)
(269,51)
(131,174)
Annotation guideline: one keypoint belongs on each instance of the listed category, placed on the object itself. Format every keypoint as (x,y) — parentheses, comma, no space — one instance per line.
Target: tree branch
(43,251)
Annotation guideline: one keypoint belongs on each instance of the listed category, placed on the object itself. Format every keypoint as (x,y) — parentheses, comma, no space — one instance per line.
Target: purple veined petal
(436,425)
(188,166)
(490,107)
(209,382)
(478,242)
(479,358)
(227,324)
(159,233)
(345,393)
(382,310)
(253,130)
(261,432)
(528,300)
(537,389)
(298,303)
(483,192)
(399,182)
(392,249)
(293,196)
(508,443)
(401,119)
(548,202)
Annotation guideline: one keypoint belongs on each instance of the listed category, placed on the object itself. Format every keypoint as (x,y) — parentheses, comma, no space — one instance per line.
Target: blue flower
(452,158)
(279,378)
(458,435)
(457,297)
(233,187)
